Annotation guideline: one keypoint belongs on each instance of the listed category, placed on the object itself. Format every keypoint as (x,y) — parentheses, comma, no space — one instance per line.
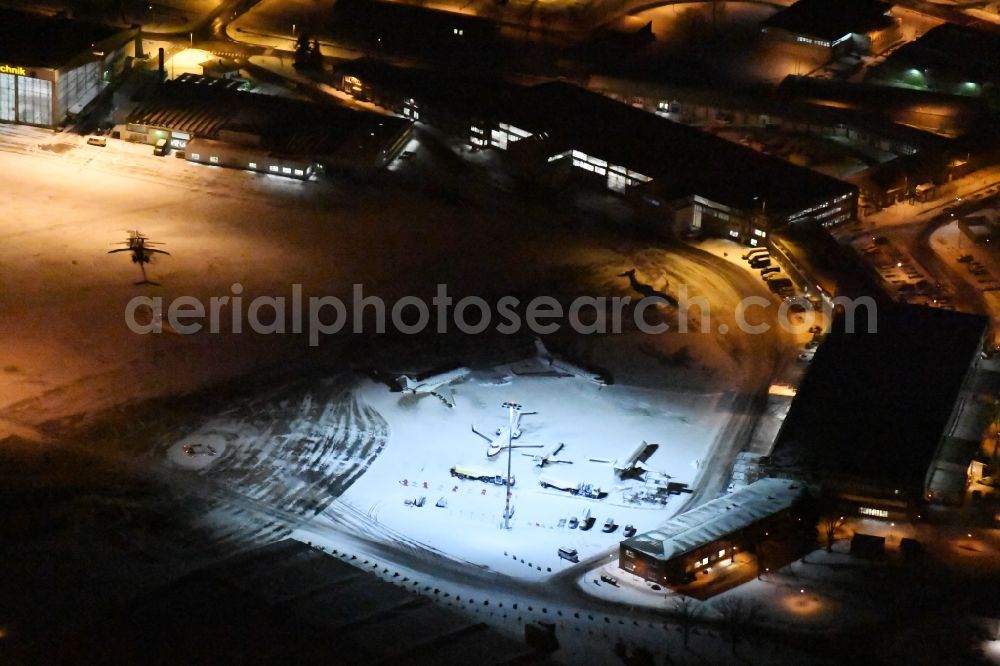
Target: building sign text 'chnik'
(16,71)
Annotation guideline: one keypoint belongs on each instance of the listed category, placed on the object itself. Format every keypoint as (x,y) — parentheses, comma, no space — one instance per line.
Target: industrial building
(215,123)
(51,68)
(836,28)
(557,134)
(949,58)
(694,541)
(885,422)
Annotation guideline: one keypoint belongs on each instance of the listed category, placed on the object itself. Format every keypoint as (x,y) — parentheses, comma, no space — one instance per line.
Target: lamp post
(511,408)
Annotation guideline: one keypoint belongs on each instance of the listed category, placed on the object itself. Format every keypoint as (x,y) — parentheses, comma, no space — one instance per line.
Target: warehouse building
(694,541)
(836,27)
(51,68)
(557,134)
(886,421)
(215,123)
(949,58)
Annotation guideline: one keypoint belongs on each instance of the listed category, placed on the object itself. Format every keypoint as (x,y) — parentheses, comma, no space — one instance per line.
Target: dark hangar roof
(831,19)
(681,160)
(36,40)
(207,108)
(873,406)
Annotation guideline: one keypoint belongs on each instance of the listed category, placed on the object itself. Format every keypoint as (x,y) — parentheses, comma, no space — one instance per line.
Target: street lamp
(511,408)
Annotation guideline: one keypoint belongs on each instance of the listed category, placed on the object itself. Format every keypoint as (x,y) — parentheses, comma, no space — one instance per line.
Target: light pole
(511,407)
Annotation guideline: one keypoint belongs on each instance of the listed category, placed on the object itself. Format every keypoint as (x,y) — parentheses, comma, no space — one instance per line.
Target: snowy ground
(293,432)
(592,421)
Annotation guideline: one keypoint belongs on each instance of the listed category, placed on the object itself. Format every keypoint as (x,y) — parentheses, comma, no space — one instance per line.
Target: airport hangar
(216,123)
(886,423)
(51,68)
(556,134)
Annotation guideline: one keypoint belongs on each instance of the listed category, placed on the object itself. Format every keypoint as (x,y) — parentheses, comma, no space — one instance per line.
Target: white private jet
(435,385)
(634,465)
(501,436)
(550,457)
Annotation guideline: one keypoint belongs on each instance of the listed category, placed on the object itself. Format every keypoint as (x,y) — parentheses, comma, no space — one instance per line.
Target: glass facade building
(26,100)
(52,68)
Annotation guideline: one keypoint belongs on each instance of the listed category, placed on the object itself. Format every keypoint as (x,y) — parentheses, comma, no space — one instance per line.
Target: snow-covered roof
(717,519)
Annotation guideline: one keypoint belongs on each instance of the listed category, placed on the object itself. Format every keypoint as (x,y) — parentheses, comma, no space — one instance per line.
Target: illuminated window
(253,165)
(274,169)
(286,169)
(722,553)
(213,159)
(869,511)
(195,156)
(299,172)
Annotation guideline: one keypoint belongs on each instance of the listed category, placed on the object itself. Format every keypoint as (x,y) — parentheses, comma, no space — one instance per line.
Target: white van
(569,554)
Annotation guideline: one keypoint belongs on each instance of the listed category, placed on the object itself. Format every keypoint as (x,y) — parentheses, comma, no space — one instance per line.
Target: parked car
(99,141)
(609,525)
(610,580)
(569,554)
(629,531)
(574,523)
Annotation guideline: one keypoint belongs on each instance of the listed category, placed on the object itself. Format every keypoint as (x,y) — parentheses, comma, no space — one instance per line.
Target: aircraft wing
(447,396)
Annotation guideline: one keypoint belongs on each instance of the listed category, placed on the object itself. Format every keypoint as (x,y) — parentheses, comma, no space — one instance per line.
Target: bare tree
(686,612)
(830,526)
(737,615)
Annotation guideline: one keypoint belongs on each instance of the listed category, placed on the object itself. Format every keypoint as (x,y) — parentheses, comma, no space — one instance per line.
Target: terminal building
(887,422)
(557,134)
(51,68)
(694,541)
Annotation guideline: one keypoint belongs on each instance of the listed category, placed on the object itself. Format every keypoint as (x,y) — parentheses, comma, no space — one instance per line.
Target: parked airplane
(550,457)
(436,385)
(635,464)
(501,436)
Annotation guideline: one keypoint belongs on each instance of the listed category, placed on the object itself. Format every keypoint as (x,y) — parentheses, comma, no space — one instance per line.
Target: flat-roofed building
(219,124)
(836,27)
(558,134)
(51,68)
